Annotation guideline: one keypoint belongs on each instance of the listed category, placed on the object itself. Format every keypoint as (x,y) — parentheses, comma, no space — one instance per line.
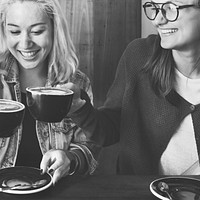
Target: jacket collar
(12,69)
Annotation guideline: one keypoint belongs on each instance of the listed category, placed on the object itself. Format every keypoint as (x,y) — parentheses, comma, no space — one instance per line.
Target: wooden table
(93,187)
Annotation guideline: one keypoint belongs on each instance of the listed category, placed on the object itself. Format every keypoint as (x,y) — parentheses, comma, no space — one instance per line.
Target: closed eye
(15,32)
(37,32)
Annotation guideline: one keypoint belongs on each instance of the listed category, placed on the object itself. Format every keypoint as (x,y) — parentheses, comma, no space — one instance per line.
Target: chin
(29,65)
(166,45)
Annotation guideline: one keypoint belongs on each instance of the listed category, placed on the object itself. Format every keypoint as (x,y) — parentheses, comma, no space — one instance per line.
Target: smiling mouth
(168,31)
(29,54)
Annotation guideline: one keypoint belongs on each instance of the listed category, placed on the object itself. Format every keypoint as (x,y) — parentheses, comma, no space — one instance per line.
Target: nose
(160,19)
(25,41)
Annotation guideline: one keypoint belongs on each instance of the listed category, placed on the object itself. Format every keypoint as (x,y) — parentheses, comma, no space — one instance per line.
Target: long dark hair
(161,69)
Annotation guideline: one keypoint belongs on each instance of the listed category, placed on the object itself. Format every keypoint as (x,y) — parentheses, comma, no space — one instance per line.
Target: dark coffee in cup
(11,116)
(49,104)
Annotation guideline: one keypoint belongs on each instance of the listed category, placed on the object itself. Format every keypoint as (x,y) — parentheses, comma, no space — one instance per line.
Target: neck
(35,77)
(188,63)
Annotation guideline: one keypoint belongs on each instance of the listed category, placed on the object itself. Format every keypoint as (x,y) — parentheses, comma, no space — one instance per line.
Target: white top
(181,157)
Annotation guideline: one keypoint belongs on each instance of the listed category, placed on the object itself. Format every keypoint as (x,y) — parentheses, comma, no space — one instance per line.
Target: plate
(23,180)
(180,188)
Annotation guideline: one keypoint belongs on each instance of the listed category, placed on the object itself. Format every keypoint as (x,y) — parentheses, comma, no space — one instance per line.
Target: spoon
(163,187)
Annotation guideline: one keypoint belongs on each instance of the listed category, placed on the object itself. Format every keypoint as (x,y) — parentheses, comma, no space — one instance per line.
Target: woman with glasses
(153,107)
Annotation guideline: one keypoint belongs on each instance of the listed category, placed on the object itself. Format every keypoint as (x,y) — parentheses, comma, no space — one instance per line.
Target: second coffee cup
(48,104)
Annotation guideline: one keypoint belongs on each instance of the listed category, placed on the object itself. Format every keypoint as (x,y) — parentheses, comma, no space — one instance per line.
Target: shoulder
(148,41)
(139,51)
(137,54)
(142,45)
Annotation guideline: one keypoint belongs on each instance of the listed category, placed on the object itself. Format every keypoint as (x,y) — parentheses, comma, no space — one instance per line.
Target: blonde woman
(36,50)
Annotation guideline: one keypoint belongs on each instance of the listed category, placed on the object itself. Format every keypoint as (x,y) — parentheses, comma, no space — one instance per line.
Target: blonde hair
(63,61)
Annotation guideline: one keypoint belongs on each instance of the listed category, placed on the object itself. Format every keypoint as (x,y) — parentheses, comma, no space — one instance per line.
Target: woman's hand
(77,101)
(57,163)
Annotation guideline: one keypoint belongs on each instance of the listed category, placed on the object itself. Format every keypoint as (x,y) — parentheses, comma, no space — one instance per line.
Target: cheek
(196,30)
(11,42)
(193,33)
(48,45)
(191,27)
(45,42)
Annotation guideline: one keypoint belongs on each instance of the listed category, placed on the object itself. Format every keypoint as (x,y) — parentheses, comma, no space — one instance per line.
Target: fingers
(55,162)
(60,173)
(44,165)
(77,101)
(68,86)
(73,87)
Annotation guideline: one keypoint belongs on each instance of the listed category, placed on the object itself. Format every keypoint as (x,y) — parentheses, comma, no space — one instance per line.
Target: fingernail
(41,171)
(50,171)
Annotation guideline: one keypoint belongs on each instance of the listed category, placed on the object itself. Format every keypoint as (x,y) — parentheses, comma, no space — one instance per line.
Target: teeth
(168,31)
(28,54)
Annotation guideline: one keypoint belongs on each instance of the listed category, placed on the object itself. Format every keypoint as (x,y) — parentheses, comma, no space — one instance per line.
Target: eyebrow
(37,24)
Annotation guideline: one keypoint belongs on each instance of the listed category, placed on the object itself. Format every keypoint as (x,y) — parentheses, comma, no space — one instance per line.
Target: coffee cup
(48,104)
(11,116)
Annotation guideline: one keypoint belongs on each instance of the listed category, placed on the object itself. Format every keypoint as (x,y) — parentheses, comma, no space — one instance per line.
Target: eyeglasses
(169,10)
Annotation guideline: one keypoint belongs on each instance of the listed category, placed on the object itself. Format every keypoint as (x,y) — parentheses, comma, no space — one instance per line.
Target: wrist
(74,162)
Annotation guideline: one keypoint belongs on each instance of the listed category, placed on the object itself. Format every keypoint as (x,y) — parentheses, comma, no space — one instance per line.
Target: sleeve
(81,146)
(4,88)
(102,125)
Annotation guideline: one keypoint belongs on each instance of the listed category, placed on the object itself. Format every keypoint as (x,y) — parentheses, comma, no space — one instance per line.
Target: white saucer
(12,176)
(182,188)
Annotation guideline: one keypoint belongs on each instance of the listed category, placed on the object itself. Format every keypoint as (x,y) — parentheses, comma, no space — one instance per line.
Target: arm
(102,125)
(85,152)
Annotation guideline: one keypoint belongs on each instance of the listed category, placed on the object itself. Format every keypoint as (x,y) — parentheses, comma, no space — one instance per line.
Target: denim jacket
(62,135)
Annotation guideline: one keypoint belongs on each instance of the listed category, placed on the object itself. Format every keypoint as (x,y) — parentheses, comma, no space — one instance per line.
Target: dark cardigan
(134,115)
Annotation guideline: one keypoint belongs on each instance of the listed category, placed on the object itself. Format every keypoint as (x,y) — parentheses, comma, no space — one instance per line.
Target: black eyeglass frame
(163,10)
